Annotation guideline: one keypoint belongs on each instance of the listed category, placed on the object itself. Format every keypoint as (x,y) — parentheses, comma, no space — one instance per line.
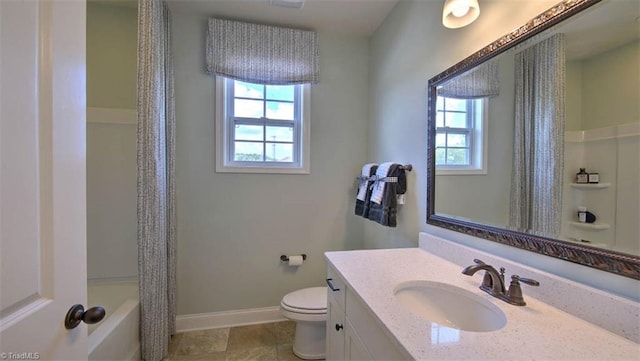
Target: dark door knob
(77,314)
(339,327)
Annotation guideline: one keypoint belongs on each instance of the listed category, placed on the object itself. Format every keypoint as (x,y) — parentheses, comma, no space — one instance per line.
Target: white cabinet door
(42,178)
(355,349)
(369,331)
(335,331)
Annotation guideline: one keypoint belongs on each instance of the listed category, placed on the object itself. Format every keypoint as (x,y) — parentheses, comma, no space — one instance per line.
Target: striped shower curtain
(156,181)
(536,180)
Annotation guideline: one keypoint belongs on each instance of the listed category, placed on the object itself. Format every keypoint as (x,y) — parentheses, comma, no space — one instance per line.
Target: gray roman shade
(261,53)
(479,82)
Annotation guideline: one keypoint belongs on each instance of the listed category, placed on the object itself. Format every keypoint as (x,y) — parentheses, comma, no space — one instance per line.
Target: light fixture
(459,13)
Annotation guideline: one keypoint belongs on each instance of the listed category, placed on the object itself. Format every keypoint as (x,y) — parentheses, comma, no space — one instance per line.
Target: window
(262,128)
(460,136)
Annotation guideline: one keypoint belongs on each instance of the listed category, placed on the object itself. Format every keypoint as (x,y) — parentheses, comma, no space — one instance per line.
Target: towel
(385,212)
(364,189)
(367,171)
(378,187)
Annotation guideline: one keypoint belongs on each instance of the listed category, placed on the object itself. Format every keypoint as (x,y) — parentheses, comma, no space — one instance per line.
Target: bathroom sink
(450,306)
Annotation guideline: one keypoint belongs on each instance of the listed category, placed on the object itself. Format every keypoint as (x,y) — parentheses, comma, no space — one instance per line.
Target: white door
(42,178)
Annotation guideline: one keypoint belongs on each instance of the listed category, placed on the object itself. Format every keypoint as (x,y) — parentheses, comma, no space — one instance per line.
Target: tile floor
(265,342)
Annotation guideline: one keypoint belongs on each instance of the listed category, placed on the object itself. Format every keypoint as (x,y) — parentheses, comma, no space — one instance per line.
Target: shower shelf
(591,226)
(590,185)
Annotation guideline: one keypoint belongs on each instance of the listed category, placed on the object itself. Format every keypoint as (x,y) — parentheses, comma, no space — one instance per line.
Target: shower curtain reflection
(536,194)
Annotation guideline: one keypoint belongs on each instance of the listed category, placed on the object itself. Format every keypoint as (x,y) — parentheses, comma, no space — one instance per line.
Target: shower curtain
(536,180)
(156,181)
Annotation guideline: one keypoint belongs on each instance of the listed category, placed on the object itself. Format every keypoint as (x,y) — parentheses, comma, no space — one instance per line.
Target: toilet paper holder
(285,258)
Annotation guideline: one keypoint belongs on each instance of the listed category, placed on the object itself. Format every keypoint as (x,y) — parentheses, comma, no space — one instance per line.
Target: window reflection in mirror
(460,130)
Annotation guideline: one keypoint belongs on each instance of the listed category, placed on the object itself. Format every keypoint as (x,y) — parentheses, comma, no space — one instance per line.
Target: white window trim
(478,166)
(223,162)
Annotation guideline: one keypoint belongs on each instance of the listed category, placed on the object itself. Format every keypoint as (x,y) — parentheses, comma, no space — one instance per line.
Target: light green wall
(611,87)
(232,228)
(410,47)
(603,90)
(573,98)
(111,198)
(111,148)
(111,56)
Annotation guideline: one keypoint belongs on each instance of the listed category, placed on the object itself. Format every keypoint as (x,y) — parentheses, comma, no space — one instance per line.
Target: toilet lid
(314,298)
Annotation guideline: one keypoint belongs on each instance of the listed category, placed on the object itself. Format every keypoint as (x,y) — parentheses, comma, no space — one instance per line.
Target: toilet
(308,309)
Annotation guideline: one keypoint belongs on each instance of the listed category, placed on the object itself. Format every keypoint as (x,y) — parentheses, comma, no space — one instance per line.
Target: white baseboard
(203,321)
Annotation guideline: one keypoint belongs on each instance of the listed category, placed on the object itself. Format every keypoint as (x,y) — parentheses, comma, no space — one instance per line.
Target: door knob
(77,314)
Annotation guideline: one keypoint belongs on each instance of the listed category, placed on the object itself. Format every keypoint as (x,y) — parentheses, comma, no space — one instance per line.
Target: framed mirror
(510,126)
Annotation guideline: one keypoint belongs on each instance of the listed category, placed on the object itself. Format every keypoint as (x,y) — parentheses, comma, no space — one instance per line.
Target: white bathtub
(116,337)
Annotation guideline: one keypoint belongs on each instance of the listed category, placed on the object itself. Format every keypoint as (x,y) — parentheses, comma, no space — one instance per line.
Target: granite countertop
(536,331)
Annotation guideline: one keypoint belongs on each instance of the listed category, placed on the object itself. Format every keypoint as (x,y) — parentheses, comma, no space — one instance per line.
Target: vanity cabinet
(352,331)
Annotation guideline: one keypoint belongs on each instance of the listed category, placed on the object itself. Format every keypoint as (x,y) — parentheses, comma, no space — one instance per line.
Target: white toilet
(308,308)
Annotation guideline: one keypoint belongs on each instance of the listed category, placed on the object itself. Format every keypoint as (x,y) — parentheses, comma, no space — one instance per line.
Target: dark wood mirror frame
(605,260)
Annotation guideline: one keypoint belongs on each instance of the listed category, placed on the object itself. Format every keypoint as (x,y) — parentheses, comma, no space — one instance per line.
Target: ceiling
(359,17)
(602,27)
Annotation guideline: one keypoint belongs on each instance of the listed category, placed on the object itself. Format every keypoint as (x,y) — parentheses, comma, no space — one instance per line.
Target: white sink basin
(450,306)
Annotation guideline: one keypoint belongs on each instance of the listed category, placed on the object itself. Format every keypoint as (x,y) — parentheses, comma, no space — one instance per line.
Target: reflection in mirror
(513,128)
(461,116)
(538,138)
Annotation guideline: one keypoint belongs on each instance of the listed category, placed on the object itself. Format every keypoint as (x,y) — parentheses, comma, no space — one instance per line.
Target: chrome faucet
(493,283)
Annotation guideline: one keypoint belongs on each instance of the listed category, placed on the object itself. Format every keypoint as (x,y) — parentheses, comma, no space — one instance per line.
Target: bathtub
(116,337)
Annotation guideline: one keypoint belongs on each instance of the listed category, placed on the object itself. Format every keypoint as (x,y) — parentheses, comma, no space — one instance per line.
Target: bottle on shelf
(594,178)
(582,214)
(582,177)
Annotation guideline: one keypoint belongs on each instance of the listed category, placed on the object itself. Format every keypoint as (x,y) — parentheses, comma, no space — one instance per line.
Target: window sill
(467,171)
(262,170)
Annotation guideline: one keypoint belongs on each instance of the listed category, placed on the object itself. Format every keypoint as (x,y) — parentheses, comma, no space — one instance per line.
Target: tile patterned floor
(265,342)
